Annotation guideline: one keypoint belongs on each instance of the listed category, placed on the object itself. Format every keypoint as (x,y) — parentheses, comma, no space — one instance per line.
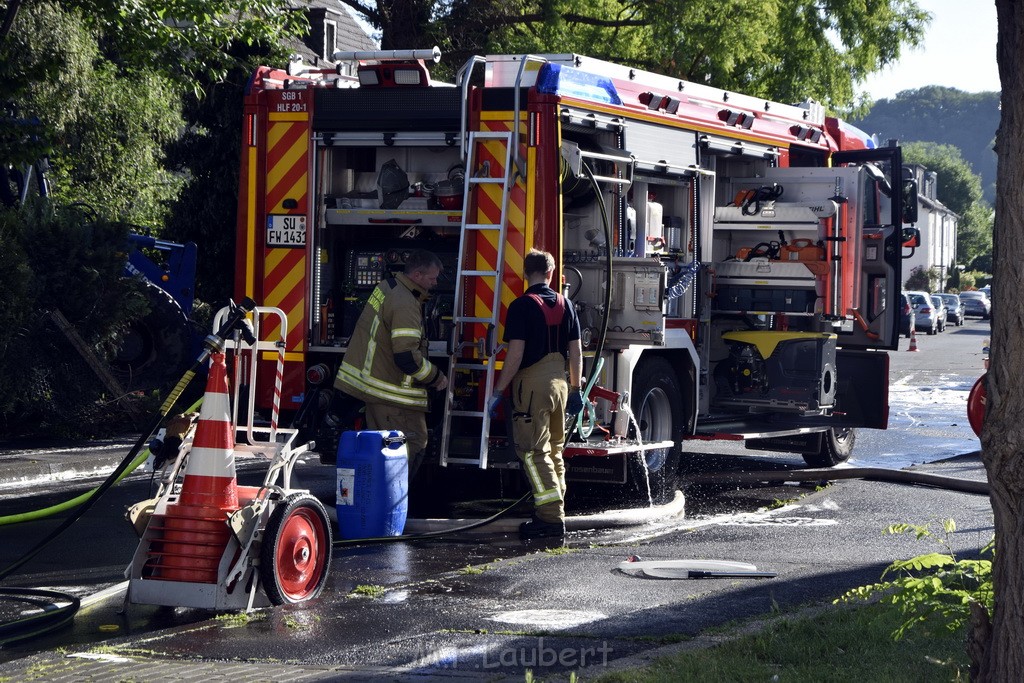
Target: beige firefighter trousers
(539,393)
(412,423)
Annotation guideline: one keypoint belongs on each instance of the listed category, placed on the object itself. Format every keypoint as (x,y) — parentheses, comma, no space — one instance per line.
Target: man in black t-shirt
(543,337)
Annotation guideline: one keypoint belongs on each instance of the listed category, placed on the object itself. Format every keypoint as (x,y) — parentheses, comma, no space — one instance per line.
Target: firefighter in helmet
(543,337)
(386,365)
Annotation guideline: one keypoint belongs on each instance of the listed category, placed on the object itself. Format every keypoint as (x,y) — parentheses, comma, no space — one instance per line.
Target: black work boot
(539,529)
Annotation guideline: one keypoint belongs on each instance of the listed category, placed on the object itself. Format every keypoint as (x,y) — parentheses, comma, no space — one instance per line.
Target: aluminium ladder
(477,367)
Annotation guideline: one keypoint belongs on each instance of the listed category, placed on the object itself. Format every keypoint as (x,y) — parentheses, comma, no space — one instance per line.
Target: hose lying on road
(52,617)
(467,526)
(869,473)
(599,520)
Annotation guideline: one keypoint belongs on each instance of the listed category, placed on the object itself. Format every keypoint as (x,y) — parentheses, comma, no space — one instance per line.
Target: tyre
(155,350)
(836,447)
(657,404)
(295,554)
(933,330)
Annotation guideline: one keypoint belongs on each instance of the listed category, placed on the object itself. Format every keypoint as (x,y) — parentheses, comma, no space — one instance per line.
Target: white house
(938,226)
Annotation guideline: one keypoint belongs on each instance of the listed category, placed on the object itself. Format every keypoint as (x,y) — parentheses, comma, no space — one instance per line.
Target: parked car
(926,318)
(987,289)
(976,303)
(941,314)
(906,316)
(954,308)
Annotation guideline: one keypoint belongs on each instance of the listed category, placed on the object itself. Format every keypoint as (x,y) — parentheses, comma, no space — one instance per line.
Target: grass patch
(368,591)
(470,569)
(239,619)
(559,550)
(837,645)
(780,503)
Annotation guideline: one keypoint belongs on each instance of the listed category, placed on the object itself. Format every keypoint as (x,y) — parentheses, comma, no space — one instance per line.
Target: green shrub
(59,260)
(922,280)
(936,587)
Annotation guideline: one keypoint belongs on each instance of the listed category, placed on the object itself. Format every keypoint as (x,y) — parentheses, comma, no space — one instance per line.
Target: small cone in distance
(913,339)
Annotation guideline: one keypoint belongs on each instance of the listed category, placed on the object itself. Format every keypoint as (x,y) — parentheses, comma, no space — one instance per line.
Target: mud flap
(862,396)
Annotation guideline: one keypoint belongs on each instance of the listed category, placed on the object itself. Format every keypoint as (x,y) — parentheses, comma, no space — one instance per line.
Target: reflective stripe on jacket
(390,325)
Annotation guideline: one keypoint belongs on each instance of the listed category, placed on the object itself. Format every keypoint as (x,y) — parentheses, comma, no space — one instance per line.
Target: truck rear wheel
(836,447)
(657,404)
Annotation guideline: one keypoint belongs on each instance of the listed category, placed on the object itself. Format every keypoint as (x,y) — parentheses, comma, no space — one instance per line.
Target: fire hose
(867,473)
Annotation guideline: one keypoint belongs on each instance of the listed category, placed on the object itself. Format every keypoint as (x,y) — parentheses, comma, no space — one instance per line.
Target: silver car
(926,317)
(941,313)
(976,303)
(954,308)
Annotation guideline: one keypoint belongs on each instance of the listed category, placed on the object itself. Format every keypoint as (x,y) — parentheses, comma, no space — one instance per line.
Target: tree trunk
(1003,435)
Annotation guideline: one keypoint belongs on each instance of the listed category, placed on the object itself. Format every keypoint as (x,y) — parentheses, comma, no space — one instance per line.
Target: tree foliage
(57,260)
(181,39)
(959,188)
(786,50)
(104,130)
(207,155)
(98,86)
(942,115)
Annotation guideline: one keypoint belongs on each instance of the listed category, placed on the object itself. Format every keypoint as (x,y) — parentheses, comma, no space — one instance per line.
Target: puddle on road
(548,618)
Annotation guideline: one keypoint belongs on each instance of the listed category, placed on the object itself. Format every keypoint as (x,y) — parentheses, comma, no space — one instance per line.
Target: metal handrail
(520,170)
(462,80)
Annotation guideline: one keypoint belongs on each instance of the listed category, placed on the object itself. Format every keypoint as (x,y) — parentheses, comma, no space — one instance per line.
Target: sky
(959,51)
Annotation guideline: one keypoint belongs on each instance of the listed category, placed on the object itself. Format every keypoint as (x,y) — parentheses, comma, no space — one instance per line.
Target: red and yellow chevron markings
(284,272)
(488,211)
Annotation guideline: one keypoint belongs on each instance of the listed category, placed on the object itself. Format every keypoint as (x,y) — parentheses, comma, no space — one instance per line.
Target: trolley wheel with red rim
(295,556)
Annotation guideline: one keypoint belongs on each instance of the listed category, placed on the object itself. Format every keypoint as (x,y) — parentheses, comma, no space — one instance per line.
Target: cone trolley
(209,542)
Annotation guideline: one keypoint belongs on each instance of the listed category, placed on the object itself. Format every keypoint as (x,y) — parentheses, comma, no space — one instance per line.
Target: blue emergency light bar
(870,141)
(555,79)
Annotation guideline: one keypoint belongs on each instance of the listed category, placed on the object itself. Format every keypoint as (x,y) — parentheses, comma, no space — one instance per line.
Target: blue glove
(492,405)
(575,403)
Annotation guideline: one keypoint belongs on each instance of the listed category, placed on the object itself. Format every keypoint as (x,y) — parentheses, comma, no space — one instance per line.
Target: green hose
(42,513)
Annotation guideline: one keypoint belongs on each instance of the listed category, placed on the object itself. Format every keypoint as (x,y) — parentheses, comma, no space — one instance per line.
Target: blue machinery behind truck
(156,347)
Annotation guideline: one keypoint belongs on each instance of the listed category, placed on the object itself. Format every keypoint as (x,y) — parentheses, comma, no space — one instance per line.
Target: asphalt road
(488,606)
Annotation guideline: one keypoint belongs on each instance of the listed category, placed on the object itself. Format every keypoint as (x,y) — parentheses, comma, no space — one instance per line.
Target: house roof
(349,34)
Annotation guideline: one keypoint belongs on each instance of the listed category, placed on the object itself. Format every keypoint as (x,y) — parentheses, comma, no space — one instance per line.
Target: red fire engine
(735,262)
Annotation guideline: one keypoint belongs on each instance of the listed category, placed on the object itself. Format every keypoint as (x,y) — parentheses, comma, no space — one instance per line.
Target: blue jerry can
(373,484)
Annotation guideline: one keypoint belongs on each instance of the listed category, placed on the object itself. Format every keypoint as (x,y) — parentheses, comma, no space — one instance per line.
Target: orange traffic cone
(194,529)
(913,339)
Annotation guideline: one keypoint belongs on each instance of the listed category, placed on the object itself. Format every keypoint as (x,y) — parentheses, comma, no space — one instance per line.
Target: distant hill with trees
(942,115)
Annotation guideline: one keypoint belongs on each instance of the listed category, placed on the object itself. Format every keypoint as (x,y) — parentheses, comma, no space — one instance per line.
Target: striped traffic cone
(913,339)
(194,529)
(210,471)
